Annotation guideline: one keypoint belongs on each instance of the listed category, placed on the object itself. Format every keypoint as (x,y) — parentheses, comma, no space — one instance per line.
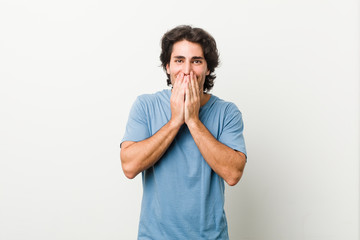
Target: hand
(177,100)
(192,99)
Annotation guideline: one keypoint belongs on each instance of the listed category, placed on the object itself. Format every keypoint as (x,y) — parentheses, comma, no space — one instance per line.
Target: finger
(186,78)
(177,85)
(194,86)
(178,79)
(196,83)
(189,87)
(187,94)
(199,88)
(184,86)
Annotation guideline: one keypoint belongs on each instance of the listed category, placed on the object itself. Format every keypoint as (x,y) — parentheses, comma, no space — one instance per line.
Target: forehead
(187,49)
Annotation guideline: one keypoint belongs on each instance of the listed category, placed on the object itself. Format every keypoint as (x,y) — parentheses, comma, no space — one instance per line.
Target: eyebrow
(194,58)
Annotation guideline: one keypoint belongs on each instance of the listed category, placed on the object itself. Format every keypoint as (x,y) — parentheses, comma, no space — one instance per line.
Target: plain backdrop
(70,71)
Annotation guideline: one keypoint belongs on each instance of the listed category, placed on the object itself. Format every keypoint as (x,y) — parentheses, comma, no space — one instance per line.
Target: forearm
(226,162)
(139,156)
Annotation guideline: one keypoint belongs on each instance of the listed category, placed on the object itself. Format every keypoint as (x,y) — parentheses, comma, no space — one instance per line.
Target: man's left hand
(192,99)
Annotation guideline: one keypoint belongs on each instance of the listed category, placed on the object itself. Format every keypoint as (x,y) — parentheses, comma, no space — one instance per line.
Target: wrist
(175,123)
(193,123)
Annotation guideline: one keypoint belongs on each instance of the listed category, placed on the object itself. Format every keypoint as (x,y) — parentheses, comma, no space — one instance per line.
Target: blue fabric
(183,198)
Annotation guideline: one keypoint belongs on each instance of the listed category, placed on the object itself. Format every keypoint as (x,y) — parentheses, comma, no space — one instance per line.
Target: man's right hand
(177,100)
(139,156)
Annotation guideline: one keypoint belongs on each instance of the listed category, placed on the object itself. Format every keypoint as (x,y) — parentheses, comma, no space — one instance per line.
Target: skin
(187,70)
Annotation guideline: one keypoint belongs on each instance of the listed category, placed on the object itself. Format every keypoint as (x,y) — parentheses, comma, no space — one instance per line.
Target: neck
(204,99)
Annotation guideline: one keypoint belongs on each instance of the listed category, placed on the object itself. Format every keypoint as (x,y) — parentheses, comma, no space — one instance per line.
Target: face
(186,57)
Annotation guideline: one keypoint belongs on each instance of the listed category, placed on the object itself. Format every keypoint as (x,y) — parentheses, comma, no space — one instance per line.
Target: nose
(187,68)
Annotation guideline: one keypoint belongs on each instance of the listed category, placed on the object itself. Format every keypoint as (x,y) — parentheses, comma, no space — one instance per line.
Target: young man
(185,142)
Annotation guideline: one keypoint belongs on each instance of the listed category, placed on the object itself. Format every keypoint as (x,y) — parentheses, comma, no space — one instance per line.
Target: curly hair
(195,35)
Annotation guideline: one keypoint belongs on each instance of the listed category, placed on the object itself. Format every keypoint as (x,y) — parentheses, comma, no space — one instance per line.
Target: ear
(167,69)
(208,72)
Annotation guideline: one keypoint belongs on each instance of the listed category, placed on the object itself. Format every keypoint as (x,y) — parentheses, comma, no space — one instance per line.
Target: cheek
(201,74)
(174,71)
(201,71)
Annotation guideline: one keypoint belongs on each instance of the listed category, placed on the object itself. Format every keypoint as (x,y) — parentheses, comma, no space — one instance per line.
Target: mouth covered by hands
(185,99)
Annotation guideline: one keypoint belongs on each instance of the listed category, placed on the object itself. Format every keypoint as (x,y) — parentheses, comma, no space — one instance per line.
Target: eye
(178,60)
(197,61)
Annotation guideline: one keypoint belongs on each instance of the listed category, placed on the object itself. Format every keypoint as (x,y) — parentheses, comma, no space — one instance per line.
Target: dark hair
(195,35)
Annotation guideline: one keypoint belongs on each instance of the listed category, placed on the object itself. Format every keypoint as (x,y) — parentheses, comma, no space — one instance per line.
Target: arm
(225,161)
(139,156)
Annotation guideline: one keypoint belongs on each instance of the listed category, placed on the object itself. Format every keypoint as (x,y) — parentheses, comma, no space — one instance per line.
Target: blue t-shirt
(183,198)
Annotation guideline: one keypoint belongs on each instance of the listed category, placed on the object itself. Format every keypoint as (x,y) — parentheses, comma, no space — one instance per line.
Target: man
(185,142)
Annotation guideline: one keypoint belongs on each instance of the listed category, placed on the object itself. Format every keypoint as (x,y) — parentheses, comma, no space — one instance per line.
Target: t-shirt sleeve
(137,126)
(232,132)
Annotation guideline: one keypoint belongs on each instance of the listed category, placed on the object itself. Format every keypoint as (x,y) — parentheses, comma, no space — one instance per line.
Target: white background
(71,69)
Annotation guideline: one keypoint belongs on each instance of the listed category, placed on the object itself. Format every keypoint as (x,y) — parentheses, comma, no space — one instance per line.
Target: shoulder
(226,107)
(157,96)
(149,99)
